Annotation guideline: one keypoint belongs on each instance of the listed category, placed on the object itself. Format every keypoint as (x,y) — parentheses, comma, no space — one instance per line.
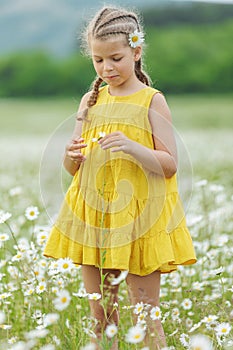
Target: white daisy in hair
(136,39)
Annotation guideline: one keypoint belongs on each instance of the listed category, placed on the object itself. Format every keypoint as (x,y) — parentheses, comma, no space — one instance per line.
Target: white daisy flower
(223,329)
(62,300)
(111,330)
(138,308)
(29,291)
(136,39)
(135,334)
(65,265)
(43,263)
(81,293)
(210,319)
(32,213)
(175,313)
(200,342)
(142,316)
(41,287)
(101,135)
(41,237)
(4,237)
(5,295)
(4,216)
(94,296)
(155,313)
(186,304)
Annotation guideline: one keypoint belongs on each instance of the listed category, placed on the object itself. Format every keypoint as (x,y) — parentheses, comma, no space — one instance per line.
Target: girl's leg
(146,289)
(102,310)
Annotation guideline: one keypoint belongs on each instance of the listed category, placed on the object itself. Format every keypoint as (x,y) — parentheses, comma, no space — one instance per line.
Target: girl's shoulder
(84,99)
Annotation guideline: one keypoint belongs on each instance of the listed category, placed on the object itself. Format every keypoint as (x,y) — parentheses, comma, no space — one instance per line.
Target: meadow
(43,304)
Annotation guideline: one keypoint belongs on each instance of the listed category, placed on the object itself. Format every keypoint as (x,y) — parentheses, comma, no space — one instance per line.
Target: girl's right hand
(73,150)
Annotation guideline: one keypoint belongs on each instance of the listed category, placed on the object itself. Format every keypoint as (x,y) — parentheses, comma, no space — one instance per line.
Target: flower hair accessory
(135,39)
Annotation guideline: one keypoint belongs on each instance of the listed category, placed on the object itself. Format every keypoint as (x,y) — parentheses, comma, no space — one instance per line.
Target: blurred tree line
(189,50)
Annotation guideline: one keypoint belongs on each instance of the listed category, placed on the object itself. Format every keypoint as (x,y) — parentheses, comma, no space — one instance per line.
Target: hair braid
(141,75)
(95,91)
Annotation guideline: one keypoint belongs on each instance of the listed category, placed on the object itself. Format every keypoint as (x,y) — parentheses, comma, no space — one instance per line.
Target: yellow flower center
(224,330)
(137,336)
(134,38)
(64,300)
(65,266)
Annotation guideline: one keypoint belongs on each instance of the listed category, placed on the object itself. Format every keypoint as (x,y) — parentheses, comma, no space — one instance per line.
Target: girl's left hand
(117,140)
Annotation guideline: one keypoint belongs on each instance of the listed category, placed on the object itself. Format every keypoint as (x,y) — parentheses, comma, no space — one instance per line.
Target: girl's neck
(126,89)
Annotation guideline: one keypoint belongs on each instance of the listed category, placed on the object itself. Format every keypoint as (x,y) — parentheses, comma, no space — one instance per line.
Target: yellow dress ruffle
(116,214)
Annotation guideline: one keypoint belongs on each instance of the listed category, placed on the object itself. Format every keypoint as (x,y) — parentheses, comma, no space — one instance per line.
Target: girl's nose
(108,66)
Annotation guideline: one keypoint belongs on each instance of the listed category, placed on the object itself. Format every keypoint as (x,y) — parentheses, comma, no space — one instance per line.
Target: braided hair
(109,22)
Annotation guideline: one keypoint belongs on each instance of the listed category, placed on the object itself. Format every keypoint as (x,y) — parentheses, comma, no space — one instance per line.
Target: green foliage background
(189,50)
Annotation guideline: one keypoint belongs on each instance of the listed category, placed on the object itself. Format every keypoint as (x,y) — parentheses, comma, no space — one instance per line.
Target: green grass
(201,111)
(42,116)
(34,116)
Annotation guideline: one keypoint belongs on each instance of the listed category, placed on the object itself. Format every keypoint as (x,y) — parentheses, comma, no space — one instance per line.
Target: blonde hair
(108,22)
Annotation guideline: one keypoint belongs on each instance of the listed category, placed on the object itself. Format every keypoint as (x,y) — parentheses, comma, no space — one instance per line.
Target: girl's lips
(111,77)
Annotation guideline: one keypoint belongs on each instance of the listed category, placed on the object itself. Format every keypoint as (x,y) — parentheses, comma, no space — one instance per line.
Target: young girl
(122,211)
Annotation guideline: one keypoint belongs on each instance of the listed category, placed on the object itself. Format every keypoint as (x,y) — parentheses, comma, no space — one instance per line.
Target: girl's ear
(137,53)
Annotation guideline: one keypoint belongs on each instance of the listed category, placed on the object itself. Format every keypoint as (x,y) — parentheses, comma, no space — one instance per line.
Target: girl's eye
(98,61)
(117,59)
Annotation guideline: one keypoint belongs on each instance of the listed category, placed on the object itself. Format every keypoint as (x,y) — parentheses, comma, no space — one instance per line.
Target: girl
(122,211)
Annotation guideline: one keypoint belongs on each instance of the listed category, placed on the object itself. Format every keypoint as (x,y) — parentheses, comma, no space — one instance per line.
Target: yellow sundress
(117,214)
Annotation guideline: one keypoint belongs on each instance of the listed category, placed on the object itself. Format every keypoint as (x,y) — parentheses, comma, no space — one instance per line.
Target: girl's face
(114,61)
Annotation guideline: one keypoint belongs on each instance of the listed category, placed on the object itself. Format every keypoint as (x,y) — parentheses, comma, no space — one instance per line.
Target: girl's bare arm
(73,156)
